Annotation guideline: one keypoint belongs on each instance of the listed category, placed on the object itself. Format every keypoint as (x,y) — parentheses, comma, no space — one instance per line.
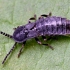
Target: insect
(45,25)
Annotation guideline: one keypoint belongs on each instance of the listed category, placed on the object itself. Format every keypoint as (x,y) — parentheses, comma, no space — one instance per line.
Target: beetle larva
(45,25)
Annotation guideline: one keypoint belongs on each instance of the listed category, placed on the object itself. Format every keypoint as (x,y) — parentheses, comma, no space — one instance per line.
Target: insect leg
(33,18)
(16,28)
(44,38)
(9,52)
(39,42)
(49,38)
(52,37)
(5,34)
(20,51)
(44,15)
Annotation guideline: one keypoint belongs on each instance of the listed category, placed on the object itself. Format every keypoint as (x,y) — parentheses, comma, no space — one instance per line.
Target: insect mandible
(45,25)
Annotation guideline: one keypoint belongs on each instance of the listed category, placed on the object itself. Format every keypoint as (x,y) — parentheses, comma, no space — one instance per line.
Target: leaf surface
(14,13)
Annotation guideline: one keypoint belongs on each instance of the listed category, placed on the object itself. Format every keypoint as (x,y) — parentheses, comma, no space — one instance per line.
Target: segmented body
(45,26)
(52,26)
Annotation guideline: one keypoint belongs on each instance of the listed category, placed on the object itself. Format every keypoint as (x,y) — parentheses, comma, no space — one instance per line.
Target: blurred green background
(34,57)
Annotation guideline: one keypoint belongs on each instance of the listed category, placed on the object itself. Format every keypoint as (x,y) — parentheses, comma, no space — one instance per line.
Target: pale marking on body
(50,23)
(59,22)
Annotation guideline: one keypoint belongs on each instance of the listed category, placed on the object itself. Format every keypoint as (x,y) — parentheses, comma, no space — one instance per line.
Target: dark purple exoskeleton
(45,25)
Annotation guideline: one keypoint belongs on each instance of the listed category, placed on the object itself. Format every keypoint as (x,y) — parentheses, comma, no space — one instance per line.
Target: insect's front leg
(20,51)
(39,42)
(15,28)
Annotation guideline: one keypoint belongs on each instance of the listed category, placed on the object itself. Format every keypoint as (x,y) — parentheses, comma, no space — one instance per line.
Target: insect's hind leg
(9,52)
(39,42)
(5,34)
(20,51)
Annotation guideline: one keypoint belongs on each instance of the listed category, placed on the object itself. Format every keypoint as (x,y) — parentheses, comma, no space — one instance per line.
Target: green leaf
(15,13)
